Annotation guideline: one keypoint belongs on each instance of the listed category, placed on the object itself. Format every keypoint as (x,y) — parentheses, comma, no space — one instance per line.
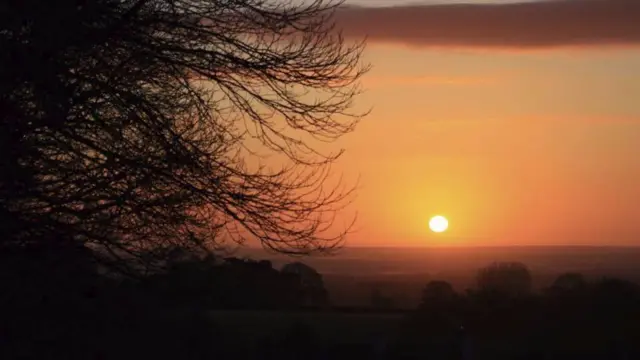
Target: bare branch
(134,126)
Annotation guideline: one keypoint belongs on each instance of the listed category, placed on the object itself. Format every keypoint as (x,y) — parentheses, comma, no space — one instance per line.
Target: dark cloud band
(534,24)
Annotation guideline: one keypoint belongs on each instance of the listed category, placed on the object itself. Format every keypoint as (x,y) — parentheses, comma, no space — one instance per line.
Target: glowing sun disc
(438,224)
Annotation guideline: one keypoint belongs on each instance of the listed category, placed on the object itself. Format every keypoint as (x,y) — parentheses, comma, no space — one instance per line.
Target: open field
(327,326)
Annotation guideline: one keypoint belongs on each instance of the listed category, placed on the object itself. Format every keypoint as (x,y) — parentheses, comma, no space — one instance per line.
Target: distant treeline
(50,312)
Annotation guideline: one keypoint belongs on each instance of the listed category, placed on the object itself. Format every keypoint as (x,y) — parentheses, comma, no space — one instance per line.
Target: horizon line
(470,246)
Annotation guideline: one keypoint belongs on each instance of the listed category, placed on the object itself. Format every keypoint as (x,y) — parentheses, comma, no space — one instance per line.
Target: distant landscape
(401,273)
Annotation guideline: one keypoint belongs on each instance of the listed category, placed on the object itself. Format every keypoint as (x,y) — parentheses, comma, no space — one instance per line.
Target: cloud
(387,81)
(549,23)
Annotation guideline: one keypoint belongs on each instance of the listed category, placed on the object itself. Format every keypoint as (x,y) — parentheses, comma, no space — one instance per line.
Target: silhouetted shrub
(505,278)
(380,301)
(438,292)
(570,282)
(310,282)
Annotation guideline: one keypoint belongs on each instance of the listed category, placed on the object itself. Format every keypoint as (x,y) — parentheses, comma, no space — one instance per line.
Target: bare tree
(135,126)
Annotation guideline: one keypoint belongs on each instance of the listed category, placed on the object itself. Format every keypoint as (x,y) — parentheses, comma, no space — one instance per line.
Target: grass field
(327,326)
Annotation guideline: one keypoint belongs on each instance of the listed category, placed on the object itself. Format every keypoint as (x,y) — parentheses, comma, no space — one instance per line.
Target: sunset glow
(526,136)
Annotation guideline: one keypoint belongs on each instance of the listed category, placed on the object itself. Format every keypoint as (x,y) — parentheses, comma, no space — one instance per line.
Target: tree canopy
(507,278)
(135,126)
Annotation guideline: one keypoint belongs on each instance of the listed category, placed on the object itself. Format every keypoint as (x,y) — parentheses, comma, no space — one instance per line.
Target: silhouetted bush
(379,301)
(504,319)
(310,283)
(505,278)
(570,282)
(234,283)
(438,292)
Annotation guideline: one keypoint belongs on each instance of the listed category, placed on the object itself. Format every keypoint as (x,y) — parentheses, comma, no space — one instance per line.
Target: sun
(438,224)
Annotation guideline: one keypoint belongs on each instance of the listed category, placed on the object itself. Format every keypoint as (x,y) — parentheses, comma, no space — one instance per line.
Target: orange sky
(515,146)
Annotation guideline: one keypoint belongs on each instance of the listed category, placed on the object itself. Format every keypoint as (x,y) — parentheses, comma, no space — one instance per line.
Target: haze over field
(401,272)
(442,260)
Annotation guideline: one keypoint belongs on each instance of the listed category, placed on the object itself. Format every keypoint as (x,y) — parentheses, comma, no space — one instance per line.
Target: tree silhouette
(310,282)
(507,278)
(380,301)
(437,293)
(135,126)
(569,282)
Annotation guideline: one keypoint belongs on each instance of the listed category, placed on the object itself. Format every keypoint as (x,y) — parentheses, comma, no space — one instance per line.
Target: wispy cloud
(549,23)
(390,81)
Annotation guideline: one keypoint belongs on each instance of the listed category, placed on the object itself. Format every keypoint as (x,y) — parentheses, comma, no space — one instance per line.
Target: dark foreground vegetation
(214,308)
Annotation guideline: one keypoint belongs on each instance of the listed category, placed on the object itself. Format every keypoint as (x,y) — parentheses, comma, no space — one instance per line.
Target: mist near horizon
(353,273)
(370,261)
